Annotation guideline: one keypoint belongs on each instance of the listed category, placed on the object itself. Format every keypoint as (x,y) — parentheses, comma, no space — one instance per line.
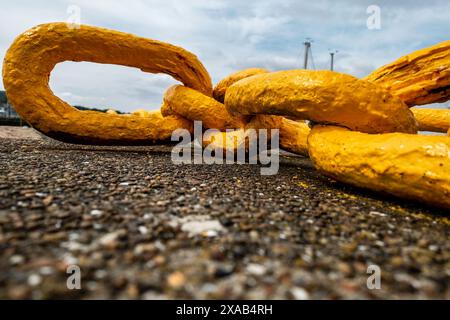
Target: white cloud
(228,36)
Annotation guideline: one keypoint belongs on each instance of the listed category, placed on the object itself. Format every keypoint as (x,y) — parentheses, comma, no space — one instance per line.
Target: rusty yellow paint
(221,88)
(195,106)
(421,77)
(409,166)
(229,141)
(263,121)
(147,114)
(294,136)
(321,96)
(436,120)
(34,54)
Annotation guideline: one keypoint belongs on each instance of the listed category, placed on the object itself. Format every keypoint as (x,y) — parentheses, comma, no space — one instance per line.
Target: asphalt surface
(140,227)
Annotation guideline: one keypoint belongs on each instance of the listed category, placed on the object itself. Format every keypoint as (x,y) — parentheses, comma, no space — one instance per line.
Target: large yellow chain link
(363,132)
(34,54)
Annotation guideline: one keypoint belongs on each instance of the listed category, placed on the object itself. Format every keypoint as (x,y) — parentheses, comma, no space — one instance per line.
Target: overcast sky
(228,36)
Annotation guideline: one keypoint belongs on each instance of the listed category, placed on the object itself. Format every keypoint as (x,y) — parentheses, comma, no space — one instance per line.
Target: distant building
(6,109)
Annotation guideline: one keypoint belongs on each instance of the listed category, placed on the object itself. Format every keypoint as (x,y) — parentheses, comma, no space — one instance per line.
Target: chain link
(362,131)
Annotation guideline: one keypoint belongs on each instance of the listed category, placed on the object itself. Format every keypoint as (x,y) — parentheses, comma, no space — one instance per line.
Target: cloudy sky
(228,36)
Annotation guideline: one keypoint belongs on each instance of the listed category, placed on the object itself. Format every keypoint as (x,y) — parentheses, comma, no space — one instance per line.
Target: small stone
(46,270)
(344,268)
(143,230)
(132,291)
(47,200)
(349,247)
(34,280)
(73,236)
(148,216)
(422,243)
(91,285)
(100,274)
(362,248)
(19,292)
(159,260)
(397,261)
(96,213)
(256,269)
(209,288)
(377,214)
(299,293)
(110,240)
(144,248)
(70,260)
(176,280)
(222,271)
(210,234)
(97,226)
(150,295)
(16,259)
(72,246)
(254,235)
(201,226)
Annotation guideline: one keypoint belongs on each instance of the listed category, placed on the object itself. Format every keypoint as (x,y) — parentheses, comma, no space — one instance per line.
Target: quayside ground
(139,226)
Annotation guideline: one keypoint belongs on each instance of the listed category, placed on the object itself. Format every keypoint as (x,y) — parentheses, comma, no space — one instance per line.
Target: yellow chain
(363,132)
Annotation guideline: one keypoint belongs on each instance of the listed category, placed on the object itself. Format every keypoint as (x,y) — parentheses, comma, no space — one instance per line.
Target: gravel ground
(19,133)
(139,226)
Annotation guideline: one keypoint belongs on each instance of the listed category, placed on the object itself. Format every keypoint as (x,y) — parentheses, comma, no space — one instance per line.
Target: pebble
(96,213)
(16,259)
(154,296)
(256,269)
(144,248)
(377,214)
(46,270)
(176,280)
(110,240)
(34,280)
(47,201)
(210,234)
(299,293)
(143,230)
(200,226)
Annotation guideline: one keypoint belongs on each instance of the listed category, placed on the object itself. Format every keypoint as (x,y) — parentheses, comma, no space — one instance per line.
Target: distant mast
(307,44)
(332,54)
(309,58)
